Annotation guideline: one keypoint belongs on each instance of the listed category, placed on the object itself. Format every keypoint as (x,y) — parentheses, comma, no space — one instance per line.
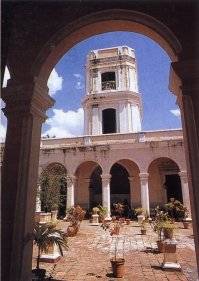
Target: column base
(171,266)
(108,218)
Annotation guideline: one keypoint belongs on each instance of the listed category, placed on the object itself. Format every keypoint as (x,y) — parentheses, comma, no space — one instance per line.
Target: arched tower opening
(109,121)
(108,81)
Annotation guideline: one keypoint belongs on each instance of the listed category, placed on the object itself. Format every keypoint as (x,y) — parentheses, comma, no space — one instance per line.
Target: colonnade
(144,189)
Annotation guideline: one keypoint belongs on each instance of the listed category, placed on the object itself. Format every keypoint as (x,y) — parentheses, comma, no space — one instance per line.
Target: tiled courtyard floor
(88,256)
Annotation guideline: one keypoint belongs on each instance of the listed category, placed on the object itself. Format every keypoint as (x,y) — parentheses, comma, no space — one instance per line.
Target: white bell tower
(112,103)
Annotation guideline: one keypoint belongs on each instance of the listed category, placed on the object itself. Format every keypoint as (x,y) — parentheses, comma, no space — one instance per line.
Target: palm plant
(45,236)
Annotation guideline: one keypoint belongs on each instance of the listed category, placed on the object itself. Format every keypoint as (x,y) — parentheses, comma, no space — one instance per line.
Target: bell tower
(112,103)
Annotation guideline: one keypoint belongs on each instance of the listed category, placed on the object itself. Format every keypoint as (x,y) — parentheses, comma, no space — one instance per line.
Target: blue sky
(67,81)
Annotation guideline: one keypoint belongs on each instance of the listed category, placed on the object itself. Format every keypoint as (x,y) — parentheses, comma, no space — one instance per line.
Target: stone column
(184,83)
(145,192)
(131,190)
(106,202)
(70,191)
(185,190)
(38,200)
(26,102)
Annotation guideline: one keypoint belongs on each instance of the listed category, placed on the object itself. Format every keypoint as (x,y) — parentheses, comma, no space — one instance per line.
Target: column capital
(143,176)
(105,177)
(23,98)
(71,179)
(183,175)
(131,178)
(183,77)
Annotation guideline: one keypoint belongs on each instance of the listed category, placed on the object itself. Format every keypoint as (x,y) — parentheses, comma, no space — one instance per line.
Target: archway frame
(162,177)
(102,22)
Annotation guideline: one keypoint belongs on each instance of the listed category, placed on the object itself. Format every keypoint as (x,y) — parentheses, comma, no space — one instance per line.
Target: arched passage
(95,188)
(164,181)
(53,188)
(87,178)
(119,185)
(125,182)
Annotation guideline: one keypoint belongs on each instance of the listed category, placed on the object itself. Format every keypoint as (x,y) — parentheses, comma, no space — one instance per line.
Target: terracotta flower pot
(168,233)
(72,231)
(118,267)
(186,224)
(128,221)
(143,231)
(39,273)
(115,230)
(160,245)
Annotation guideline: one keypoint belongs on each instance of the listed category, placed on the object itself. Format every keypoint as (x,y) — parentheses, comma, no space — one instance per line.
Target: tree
(53,182)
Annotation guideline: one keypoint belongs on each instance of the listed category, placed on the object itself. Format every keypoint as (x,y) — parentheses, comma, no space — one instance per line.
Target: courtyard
(89,253)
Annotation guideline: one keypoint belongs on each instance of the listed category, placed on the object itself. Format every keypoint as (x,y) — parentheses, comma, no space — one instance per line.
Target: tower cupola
(112,103)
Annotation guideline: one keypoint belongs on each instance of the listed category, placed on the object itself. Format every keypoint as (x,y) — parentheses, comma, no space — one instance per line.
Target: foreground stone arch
(101,22)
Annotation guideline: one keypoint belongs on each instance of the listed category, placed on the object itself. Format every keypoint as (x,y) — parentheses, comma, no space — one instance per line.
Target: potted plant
(128,221)
(143,227)
(113,227)
(119,209)
(44,237)
(168,228)
(117,263)
(157,225)
(103,211)
(75,216)
(140,213)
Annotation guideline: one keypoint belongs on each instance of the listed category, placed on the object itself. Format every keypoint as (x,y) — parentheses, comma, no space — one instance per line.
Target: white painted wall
(136,118)
(95,121)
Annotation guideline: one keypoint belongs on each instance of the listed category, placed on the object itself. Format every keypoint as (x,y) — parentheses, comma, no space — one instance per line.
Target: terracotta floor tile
(89,253)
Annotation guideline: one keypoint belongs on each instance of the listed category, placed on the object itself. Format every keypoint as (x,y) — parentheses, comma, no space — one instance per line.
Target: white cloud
(175,112)
(3,122)
(65,124)
(79,83)
(6,77)
(2,133)
(54,82)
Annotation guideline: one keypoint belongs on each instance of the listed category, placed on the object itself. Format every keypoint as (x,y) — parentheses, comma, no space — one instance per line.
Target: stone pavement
(89,253)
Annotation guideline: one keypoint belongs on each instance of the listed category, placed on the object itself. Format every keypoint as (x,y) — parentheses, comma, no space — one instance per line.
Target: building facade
(115,160)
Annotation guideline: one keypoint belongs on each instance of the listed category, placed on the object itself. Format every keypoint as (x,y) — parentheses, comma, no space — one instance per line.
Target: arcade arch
(85,175)
(129,172)
(164,181)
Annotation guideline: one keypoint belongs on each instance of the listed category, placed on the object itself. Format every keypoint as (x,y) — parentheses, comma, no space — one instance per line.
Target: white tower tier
(112,103)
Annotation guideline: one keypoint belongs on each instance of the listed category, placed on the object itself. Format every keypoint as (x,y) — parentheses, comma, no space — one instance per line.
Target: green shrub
(176,210)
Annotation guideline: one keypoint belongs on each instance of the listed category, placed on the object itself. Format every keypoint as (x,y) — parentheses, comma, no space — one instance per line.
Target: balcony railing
(108,85)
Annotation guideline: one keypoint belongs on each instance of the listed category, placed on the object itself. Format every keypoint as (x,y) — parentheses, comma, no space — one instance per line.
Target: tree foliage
(53,187)
(45,236)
